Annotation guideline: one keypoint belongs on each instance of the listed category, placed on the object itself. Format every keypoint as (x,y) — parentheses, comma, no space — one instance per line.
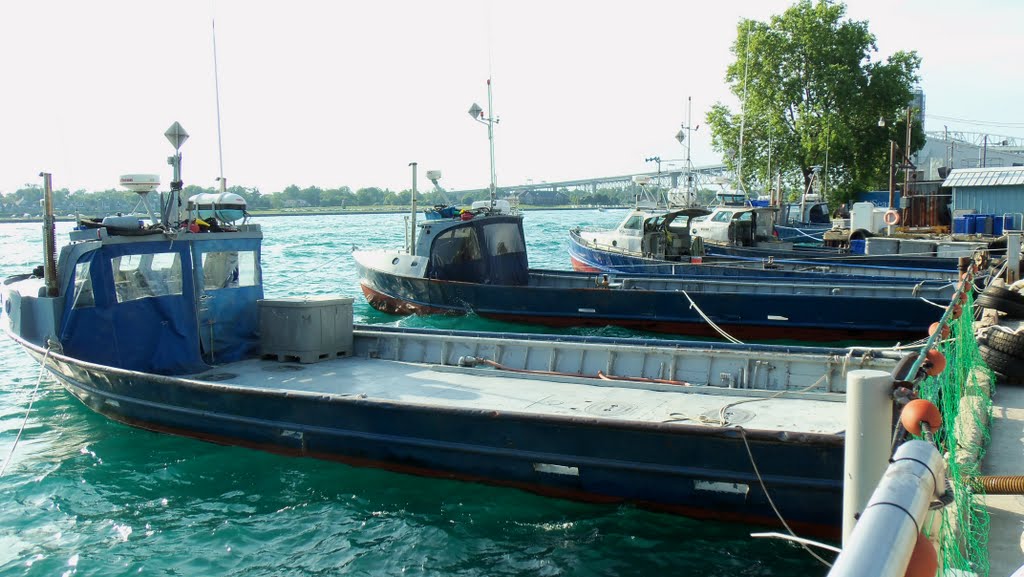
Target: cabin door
(227,283)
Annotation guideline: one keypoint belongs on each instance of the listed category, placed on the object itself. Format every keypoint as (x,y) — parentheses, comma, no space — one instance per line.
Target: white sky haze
(333,93)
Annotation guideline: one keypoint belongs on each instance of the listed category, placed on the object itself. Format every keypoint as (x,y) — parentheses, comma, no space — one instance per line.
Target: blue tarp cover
(161,334)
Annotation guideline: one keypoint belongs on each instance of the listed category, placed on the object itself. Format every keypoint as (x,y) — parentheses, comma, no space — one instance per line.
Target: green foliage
(809,87)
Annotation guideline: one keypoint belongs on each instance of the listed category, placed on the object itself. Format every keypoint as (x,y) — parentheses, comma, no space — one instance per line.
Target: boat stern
(27,311)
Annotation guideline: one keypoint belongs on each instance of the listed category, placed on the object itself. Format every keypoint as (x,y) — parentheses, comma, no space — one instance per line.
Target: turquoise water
(87,496)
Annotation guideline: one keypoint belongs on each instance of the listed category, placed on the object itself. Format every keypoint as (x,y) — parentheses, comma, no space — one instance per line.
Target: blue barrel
(983,223)
(857,246)
(959,225)
(970,223)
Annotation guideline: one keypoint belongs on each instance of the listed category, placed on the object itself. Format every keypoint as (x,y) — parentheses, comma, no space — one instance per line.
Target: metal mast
(478,114)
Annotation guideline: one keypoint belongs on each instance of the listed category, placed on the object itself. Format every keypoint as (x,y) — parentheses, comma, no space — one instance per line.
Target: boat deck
(488,389)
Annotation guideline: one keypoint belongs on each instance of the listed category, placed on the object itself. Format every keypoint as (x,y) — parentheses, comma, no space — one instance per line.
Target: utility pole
(906,149)
(892,171)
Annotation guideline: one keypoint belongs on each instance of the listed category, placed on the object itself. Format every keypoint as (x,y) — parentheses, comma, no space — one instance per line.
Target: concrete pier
(1005,456)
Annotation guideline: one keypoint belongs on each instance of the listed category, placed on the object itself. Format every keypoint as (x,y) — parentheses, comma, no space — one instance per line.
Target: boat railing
(690,365)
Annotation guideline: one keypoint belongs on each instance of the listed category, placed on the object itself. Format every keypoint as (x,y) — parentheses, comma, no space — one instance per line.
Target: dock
(1006,512)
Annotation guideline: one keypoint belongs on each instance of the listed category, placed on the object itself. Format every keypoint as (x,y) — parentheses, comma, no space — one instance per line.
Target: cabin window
(83,287)
(503,238)
(724,216)
(229,269)
(456,246)
(138,276)
(818,214)
(633,223)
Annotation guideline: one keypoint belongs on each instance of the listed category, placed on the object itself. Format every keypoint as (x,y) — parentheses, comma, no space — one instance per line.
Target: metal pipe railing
(883,540)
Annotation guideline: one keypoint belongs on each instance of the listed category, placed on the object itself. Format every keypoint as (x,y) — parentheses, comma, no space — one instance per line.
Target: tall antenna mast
(490,138)
(478,114)
(684,139)
(216,90)
(689,137)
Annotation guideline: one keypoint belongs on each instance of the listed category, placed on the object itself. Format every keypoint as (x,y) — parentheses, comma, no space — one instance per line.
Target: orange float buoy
(891,217)
(924,562)
(935,327)
(917,411)
(934,363)
(956,312)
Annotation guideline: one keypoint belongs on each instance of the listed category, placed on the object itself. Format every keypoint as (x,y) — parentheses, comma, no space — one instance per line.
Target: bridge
(702,177)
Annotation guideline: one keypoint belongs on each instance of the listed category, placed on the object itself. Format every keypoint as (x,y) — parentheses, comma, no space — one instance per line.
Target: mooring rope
(31,400)
(717,328)
(760,480)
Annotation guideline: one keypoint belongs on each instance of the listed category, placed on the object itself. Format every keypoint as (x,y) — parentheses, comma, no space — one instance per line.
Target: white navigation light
(140,183)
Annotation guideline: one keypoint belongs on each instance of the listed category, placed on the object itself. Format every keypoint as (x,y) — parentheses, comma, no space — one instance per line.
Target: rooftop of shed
(995,176)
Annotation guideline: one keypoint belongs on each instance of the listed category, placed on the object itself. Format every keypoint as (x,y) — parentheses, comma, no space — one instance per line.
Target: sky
(349,93)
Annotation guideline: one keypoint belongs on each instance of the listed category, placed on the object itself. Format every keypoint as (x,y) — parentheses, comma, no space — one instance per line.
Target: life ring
(891,218)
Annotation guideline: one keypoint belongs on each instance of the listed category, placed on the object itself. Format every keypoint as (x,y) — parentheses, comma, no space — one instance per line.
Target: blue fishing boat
(164,326)
(730,236)
(477,262)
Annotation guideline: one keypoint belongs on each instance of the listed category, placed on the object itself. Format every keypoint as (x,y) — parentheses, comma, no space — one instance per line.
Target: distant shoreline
(261,213)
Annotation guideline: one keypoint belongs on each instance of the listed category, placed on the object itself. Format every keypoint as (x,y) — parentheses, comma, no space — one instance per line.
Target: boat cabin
(168,304)
(733,225)
(475,247)
(813,212)
(652,234)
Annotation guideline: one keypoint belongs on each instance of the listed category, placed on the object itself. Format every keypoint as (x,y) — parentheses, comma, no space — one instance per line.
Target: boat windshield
(456,255)
(634,222)
(503,238)
(138,276)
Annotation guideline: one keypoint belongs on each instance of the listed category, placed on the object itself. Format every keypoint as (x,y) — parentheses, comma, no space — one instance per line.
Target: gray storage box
(881,245)
(306,329)
(917,246)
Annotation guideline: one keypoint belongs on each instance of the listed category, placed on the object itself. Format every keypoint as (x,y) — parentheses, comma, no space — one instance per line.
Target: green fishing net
(962,392)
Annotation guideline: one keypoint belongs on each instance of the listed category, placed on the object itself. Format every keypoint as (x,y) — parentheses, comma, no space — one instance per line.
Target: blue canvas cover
(228,290)
(155,334)
(141,307)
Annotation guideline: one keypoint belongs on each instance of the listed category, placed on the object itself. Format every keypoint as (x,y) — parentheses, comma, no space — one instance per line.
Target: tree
(808,89)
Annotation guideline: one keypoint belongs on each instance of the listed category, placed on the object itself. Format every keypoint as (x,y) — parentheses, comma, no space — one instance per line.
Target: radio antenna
(216,91)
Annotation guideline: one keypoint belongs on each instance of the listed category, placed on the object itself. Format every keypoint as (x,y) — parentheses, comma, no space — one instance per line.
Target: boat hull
(824,255)
(808,317)
(697,471)
(744,261)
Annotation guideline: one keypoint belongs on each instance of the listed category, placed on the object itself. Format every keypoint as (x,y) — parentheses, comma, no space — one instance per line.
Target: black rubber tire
(1005,342)
(1002,363)
(860,234)
(1003,300)
(1003,292)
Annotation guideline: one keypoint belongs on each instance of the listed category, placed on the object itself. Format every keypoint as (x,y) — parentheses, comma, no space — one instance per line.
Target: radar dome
(140,183)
